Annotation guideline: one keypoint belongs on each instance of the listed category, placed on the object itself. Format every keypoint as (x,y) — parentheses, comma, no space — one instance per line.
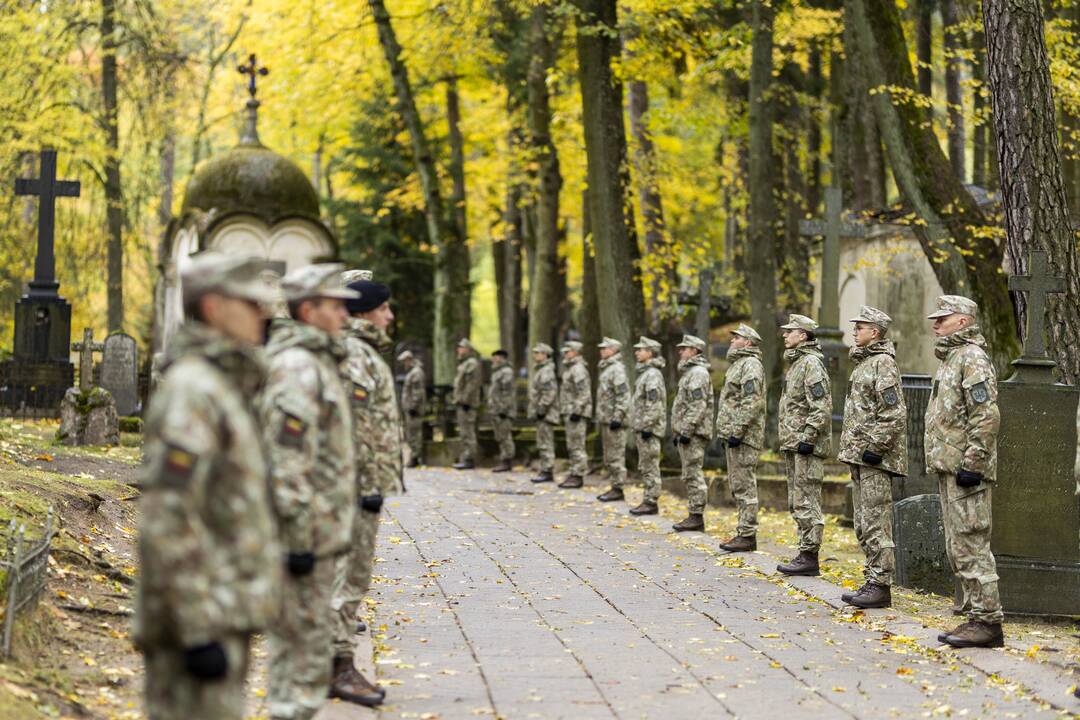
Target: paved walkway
(503,598)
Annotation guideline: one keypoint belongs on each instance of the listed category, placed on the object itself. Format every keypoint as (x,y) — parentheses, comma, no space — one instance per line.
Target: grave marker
(120,372)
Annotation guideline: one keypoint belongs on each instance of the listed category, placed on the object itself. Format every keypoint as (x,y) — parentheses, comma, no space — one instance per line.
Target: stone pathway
(505,599)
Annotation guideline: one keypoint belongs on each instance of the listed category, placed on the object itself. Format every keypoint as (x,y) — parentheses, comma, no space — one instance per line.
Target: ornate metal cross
(47,188)
(252,69)
(1038,283)
(833,228)
(86,350)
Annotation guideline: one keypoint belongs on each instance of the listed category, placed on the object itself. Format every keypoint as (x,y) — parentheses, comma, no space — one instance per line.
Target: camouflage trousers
(466,426)
(545,444)
(173,694)
(576,433)
(966,517)
(648,454)
(741,463)
(614,454)
(692,456)
(804,476)
(504,435)
(872,493)
(301,645)
(352,579)
(414,436)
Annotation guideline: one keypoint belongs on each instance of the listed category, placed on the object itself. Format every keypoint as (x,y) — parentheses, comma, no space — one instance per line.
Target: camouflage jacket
(650,398)
(307,421)
(501,400)
(612,392)
(875,415)
(741,411)
(377,430)
(575,391)
(414,392)
(962,418)
(692,410)
(544,393)
(805,412)
(467,382)
(209,557)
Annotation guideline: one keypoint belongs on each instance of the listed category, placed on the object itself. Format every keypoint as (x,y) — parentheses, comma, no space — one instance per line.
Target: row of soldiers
(267,461)
(961,431)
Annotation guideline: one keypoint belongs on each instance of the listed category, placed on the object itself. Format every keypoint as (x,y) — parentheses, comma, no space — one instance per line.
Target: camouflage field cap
(747,332)
(873,316)
(464,343)
(407,355)
(692,341)
(610,343)
(543,348)
(230,275)
(351,276)
(800,322)
(572,346)
(953,305)
(647,343)
(322,280)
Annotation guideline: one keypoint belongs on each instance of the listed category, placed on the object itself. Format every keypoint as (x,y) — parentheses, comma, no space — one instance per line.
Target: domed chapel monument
(248,200)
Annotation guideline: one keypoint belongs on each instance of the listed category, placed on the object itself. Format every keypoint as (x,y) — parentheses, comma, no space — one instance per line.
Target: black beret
(372,295)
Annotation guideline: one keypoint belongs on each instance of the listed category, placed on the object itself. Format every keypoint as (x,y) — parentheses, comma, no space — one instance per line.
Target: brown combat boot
(465,465)
(611,495)
(740,543)
(349,685)
(977,634)
(572,481)
(805,563)
(544,476)
(846,597)
(646,507)
(693,522)
(503,466)
(946,633)
(872,595)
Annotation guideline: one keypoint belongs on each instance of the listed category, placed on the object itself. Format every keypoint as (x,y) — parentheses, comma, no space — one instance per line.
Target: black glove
(371,503)
(465,406)
(967,478)
(805,448)
(504,416)
(646,435)
(871,458)
(206,662)
(300,564)
(614,425)
(682,440)
(733,441)
(414,413)
(574,417)
(540,418)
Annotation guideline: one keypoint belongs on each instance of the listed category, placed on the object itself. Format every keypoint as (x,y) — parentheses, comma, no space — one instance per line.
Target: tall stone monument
(40,370)
(1036,516)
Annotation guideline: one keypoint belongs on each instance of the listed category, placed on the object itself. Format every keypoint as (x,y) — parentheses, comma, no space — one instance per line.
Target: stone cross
(833,228)
(86,350)
(252,69)
(1038,284)
(47,188)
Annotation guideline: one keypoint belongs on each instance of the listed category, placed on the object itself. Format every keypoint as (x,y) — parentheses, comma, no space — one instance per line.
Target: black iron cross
(251,69)
(1038,283)
(47,188)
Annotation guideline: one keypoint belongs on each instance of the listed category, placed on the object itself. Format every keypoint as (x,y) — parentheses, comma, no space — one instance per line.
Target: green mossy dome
(251,178)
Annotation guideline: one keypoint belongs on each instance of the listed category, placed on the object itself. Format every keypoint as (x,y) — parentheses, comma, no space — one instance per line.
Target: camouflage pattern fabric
(649,414)
(414,406)
(173,694)
(575,398)
(613,404)
(741,406)
(501,410)
(741,472)
(692,457)
(649,451)
(805,413)
(875,414)
(352,579)
(467,381)
(966,513)
(805,474)
(543,396)
(872,493)
(692,410)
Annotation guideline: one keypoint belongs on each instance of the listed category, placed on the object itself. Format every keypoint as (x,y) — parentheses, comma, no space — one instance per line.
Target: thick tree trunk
(455,253)
(861,158)
(954,95)
(952,229)
(589,313)
(1070,138)
(924,47)
(980,133)
(814,120)
(1032,188)
(114,191)
(507,259)
(622,309)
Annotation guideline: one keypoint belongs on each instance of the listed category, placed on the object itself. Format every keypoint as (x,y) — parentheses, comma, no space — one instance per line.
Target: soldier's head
(571,349)
(373,304)
(229,294)
(406,359)
(316,296)
(870,326)
(799,329)
(744,336)
(953,314)
(646,349)
(541,352)
(500,357)
(690,346)
(464,347)
(609,347)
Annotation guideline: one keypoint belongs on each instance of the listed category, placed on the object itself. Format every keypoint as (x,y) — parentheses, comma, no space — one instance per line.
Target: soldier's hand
(871,458)
(414,413)
(206,662)
(371,503)
(967,478)
(504,416)
(805,448)
(733,441)
(646,435)
(681,439)
(615,425)
(465,406)
(300,564)
(574,417)
(540,417)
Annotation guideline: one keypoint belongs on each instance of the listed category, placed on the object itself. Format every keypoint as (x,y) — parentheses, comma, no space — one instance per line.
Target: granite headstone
(119,372)
(919,536)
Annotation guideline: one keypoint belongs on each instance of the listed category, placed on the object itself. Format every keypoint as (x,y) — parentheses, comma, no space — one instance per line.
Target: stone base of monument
(88,417)
(34,384)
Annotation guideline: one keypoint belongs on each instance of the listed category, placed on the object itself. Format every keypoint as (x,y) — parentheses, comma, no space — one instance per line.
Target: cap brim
(262,295)
(939,314)
(790,326)
(342,294)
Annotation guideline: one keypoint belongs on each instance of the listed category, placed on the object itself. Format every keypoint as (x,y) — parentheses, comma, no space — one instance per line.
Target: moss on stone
(255,180)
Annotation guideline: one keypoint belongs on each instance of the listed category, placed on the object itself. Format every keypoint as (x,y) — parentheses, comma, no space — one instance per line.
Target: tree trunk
(981,131)
(814,120)
(1070,138)
(952,230)
(622,309)
(864,171)
(1033,191)
(455,252)
(114,191)
(507,258)
(589,314)
(924,48)
(954,95)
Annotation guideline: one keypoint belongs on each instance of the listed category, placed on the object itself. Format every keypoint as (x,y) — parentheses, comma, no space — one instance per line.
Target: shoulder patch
(889,396)
(748,387)
(817,390)
(652,394)
(359,393)
(697,394)
(178,466)
(622,387)
(980,393)
(292,431)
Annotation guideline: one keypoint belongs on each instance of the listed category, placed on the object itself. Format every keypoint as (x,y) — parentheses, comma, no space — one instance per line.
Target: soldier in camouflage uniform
(501,408)
(692,426)
(575,402)
(208,550)
(467,383)
(413,405)
(740,420)
(544,409)
(962,422)
(873,443)
(612,411)
(805,417)
(648,420)
(307,421)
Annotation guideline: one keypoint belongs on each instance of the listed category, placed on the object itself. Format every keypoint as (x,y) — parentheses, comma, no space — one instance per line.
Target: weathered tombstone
(919,536)
(120,372)
(1036,514)
(88,413)
(916,389)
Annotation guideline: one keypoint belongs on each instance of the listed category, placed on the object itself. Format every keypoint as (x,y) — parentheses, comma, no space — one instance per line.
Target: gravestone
(88,417)
(1036,514)
(916,389)
(119,372)
(919,535)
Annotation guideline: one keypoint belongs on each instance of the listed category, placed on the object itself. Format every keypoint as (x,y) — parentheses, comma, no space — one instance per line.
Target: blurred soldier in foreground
(413,404)
(544,409)
(612,410)
(501,402)
(467,382)
(692,426)
(575,401)
(648,418)
(210,563)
